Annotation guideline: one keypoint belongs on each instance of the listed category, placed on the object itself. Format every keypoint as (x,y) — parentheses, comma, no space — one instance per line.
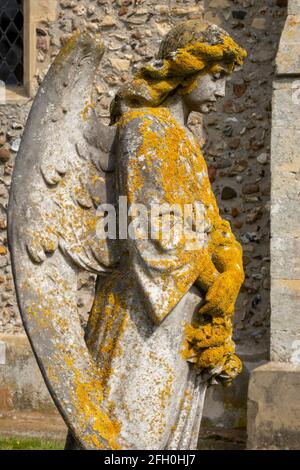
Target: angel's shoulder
(155,119)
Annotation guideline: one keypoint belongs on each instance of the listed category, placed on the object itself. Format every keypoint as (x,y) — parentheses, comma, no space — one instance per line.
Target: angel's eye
(220,75)
(217,76)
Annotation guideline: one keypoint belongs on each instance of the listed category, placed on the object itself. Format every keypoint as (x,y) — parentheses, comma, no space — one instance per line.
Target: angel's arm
(210,344)
(224,251)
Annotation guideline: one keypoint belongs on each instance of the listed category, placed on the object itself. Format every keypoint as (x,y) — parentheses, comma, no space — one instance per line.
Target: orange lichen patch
(85,112)
(3,250)
(112,306)
(165,150)
(166,393)
(178,71)
(67,48)
(209,345)
(293,21)
(98,428)
(88,397)
(213,333)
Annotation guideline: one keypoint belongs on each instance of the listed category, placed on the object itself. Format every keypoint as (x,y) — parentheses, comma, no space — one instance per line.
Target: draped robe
(136,328)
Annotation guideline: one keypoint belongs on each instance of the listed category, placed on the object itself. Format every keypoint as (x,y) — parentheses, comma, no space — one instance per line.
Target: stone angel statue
(160,327)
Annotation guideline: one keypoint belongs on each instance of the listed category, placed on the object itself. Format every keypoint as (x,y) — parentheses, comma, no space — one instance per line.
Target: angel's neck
(178,109)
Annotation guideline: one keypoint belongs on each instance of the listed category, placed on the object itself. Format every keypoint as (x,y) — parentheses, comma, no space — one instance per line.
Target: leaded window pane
(11,42)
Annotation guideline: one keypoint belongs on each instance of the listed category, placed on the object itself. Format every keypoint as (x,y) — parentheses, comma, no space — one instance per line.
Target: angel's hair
(191,49)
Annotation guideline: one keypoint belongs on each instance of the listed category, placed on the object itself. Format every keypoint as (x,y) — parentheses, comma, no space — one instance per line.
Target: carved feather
(73,152)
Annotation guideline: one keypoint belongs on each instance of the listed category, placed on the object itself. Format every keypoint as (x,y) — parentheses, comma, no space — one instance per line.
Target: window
(11,42)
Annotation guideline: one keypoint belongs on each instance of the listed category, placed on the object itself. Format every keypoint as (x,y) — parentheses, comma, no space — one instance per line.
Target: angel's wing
(64,170)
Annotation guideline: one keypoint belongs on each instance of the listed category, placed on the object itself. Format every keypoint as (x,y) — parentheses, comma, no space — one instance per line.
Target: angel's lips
(211,105)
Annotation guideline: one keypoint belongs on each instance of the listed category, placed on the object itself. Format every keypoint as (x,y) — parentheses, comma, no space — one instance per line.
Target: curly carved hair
(191,49)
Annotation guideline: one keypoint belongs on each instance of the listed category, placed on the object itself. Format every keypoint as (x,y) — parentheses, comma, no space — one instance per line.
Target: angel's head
(194,60)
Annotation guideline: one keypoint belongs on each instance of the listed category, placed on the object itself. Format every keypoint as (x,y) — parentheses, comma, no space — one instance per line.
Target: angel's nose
(221,88)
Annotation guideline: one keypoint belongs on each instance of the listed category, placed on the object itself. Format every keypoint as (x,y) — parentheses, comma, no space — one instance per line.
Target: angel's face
(209,88)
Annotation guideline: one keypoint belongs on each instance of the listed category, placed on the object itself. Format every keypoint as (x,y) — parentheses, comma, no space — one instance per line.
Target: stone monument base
(274,407)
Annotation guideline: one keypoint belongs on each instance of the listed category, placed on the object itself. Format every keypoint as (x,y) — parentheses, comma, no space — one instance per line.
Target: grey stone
(274,407)
(289,97)
(15,145)
(228,193)
(285,214)
(288,61)
(293,7)
(285,257)
(262,158)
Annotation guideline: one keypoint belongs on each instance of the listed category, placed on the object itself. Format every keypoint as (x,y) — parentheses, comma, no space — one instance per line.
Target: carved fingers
(222,295)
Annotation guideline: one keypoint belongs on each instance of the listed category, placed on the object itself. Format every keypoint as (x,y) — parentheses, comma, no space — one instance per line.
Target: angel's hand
(210,348)
(209,343)
(208,274)
(231,369)
(222,295)
(223,375)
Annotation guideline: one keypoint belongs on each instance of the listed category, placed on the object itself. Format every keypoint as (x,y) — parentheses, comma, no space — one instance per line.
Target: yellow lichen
(86,109)
(178,70)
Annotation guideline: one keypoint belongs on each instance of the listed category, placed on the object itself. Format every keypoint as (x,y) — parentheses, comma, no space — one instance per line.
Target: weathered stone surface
(219,4)
(20,379)
(283,211)
(274,407)
(284,254)
(23,390)
(285,155)
(108,21)
(227,406)
(293,7)
(286,98)
(285,296)
(288,61)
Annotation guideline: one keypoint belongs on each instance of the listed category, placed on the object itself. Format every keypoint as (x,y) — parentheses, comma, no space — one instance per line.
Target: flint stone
(262,158)
(250,188)
(259,23)
(228,193)
(4,155)
(239,14)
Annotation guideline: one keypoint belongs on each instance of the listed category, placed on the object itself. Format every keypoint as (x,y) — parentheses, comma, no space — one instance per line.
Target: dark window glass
(11,42)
